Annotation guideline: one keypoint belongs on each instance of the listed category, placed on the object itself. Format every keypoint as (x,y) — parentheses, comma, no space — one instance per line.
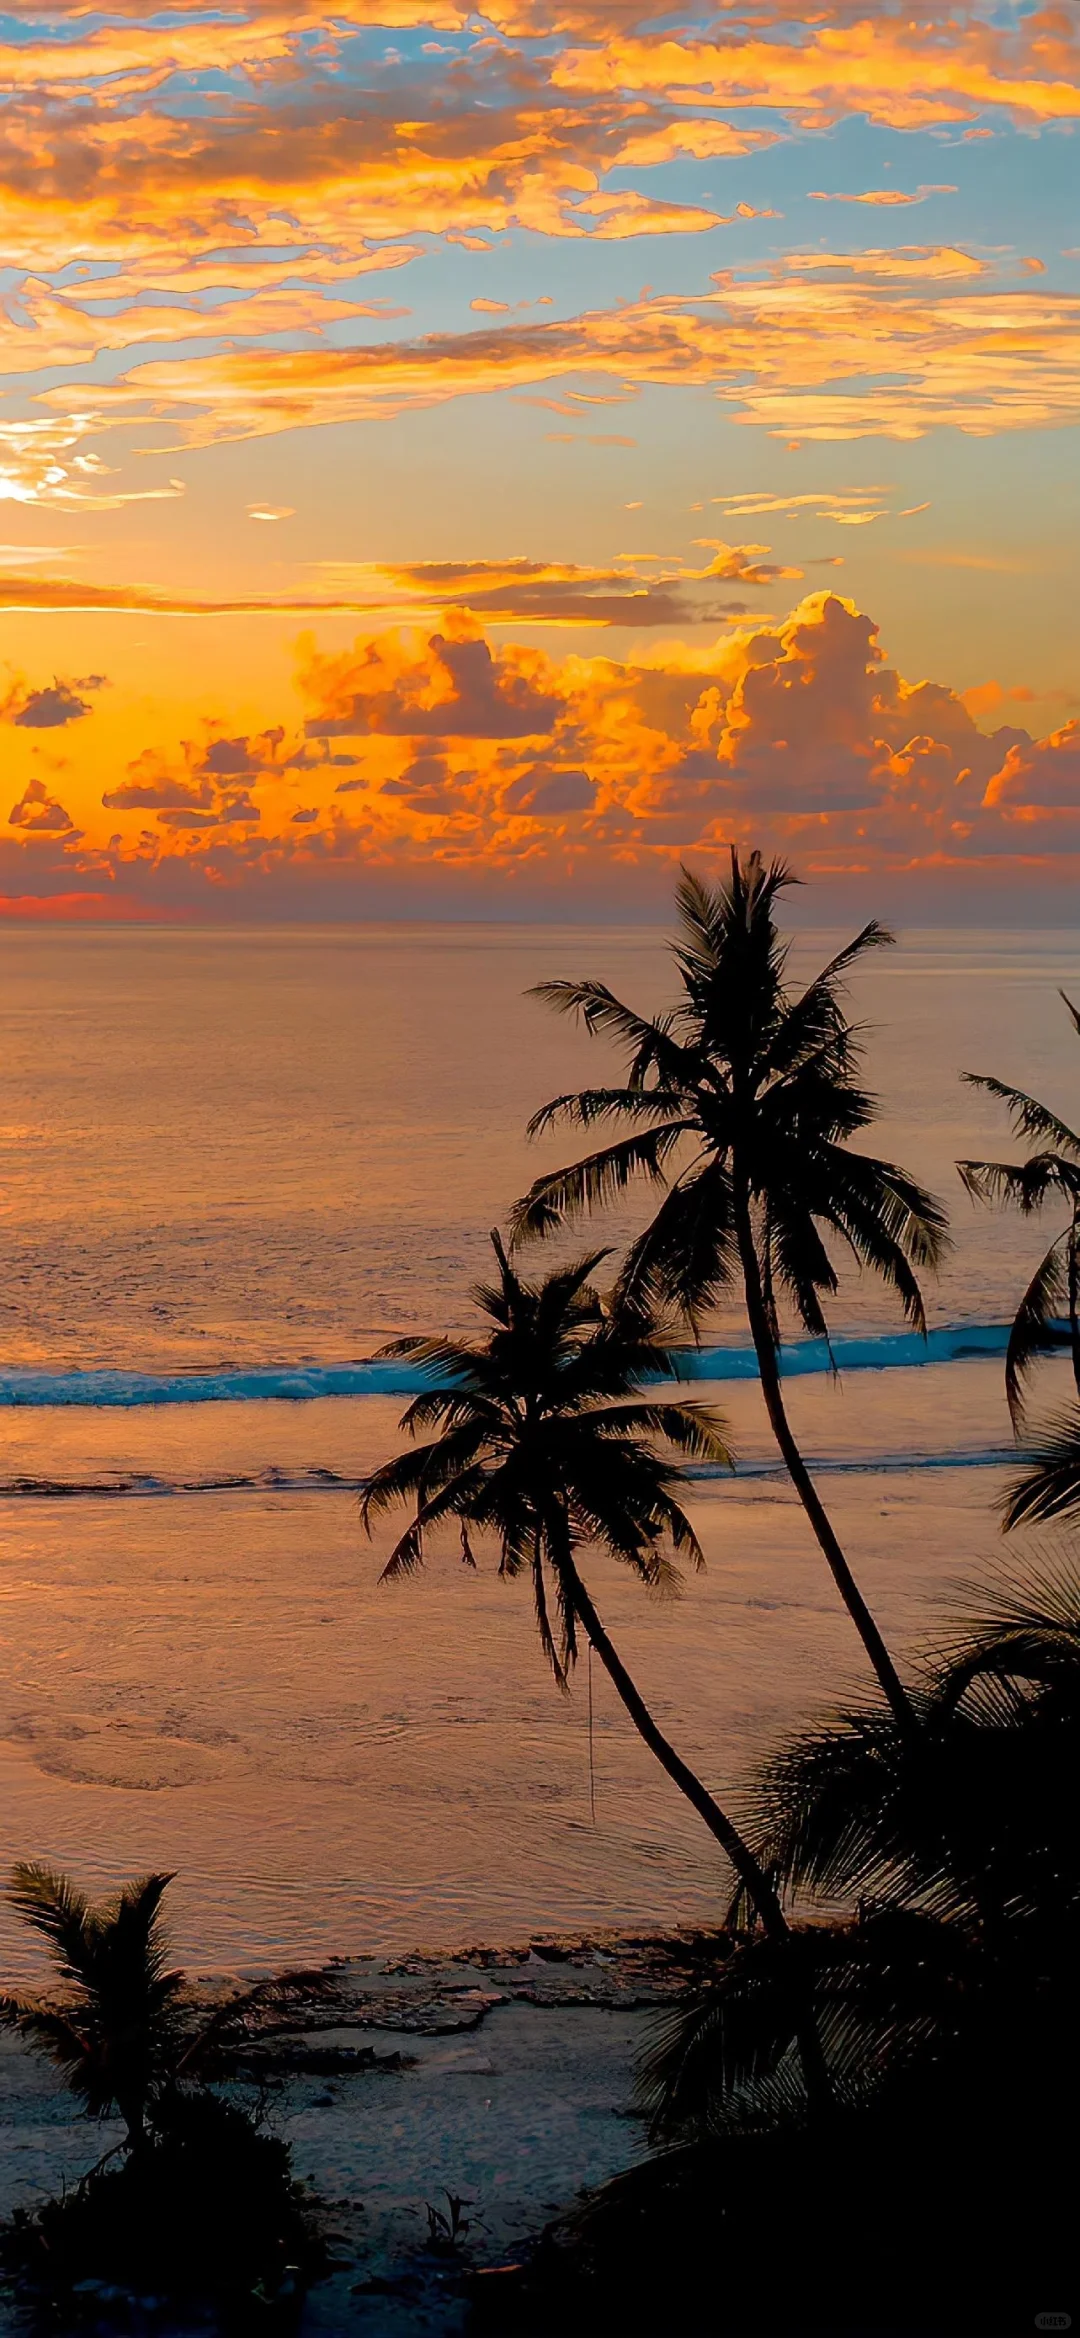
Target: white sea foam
(394,1376)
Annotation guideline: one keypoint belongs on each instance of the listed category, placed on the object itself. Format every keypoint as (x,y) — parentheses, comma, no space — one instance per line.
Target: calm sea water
(225,1154)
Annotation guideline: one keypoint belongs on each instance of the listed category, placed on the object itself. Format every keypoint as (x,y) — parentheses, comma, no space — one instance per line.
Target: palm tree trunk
(803,1483)
(751,1875)
(748,1869)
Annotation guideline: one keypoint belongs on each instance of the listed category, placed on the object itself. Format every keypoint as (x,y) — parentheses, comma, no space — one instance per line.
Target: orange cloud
(1040,775)
(535,591)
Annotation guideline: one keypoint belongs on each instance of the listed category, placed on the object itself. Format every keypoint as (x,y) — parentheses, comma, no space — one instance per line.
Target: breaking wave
(396,1376)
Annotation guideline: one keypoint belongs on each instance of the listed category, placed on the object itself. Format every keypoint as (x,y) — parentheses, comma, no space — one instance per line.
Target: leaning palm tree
(743,1099)
(1051,1173)
(547,1443)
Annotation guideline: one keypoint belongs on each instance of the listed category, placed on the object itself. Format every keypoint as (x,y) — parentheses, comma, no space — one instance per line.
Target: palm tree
(121,2035)
(1050,1173)
(546,1441)
(753,1090)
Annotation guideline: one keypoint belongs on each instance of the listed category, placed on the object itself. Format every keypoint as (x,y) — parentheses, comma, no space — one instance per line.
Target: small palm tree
(121,2035)
(1050,1173)
(547,1442)
(743,1100)
(118,2035)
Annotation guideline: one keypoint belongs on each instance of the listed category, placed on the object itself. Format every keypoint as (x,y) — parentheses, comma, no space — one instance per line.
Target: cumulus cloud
(449,686)
(482,767)
(1040,775)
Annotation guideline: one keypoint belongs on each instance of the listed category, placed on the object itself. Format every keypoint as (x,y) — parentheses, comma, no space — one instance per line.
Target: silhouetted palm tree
(546,1442)
(758,1086)
(1050,1173)
(121,2035)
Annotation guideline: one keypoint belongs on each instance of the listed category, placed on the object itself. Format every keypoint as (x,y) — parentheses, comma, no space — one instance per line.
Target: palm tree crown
(1050,1173)
(759,1085)
(546,1440)
(122,2033)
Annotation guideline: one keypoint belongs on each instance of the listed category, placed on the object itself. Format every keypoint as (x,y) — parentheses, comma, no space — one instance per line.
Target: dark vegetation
(197,2200)
(935,2191)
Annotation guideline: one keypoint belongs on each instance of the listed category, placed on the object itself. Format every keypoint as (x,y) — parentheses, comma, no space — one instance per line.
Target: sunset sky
(458,464)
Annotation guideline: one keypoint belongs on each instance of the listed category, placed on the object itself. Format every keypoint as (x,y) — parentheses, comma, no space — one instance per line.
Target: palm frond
(651,1045)
(52,1904)
(597,1181)
(1029,1118)
(452,1500)
(585,1106)
(1032,1327)
(1022,1185)
(687,1256)
(1049,1487)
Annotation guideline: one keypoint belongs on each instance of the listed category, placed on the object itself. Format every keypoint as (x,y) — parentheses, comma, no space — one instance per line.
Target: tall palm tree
(1050,1173)
(743,1099)
(546,1442)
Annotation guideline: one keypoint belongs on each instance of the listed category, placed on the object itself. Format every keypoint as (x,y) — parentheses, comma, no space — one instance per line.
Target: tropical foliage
(118,2034)
(939,2195)
(962,1853)
(202,2199)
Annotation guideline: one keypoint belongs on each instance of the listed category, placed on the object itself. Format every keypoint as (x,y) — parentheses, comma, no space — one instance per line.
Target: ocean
(232,1164)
